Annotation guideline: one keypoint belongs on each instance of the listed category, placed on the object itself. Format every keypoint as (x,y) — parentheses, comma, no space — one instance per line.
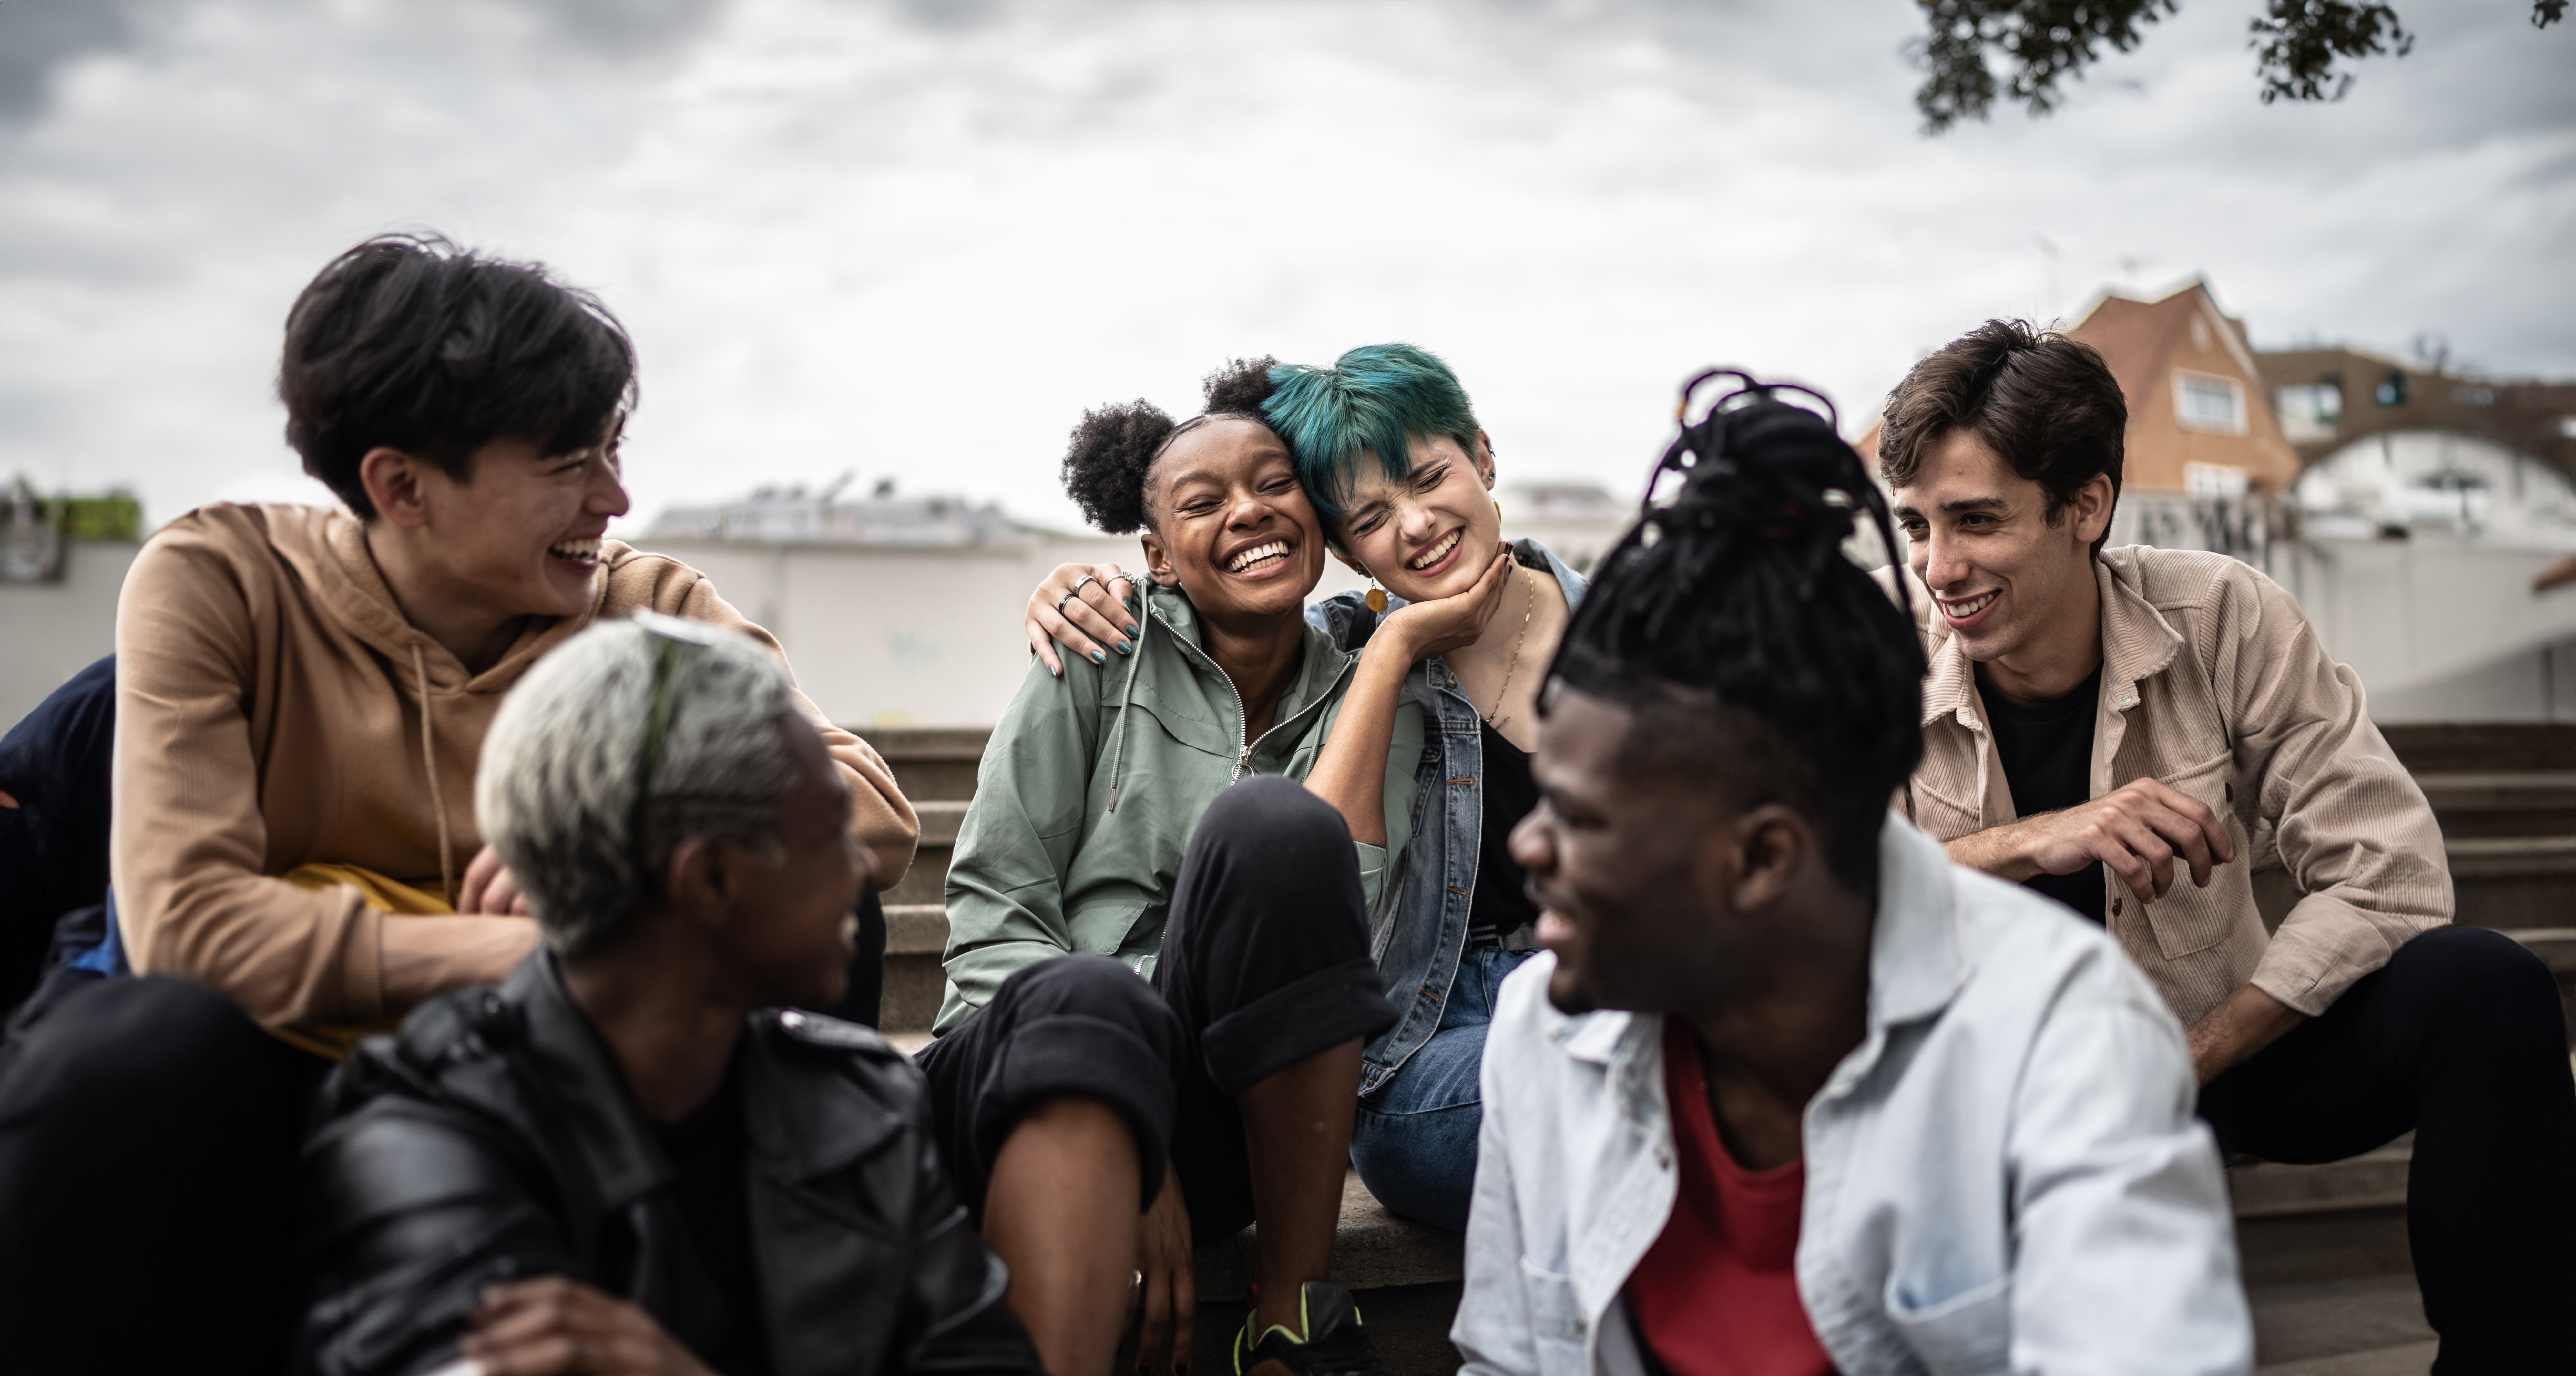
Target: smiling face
(1429,534)
(519,536)
(2005,578)
(1230,524)
(1625,869)
(792,931)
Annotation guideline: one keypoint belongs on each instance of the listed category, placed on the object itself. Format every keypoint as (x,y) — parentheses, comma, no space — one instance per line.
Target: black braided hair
(1735,588)
(1115,446)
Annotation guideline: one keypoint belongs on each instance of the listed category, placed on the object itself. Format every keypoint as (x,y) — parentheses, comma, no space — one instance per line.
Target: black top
(2047,750)
(705,1148)
(1501,904)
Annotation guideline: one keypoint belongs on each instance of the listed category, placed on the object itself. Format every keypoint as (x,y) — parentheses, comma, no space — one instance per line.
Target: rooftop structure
(792,516)
(2198,421)
(2329,398)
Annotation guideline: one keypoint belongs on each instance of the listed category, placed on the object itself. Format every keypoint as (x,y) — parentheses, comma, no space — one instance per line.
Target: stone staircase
(2324,1247)
(2506,797)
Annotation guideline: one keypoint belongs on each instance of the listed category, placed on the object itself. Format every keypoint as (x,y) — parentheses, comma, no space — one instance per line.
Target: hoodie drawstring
(1136,661)
(438,795)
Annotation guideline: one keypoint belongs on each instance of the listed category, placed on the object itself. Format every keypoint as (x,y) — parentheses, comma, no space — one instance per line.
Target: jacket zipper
(1242,744)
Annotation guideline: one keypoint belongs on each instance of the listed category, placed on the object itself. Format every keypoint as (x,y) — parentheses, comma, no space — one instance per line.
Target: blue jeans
(1414,1140)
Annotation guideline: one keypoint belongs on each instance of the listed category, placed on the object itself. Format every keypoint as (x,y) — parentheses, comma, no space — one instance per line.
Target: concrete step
(927,880)
(2437,747)
(2372,1180)
(2334,1294)
(935,762)
(2502,802)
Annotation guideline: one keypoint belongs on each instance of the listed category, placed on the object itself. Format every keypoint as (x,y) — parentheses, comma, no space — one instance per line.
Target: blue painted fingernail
(1131,630)
(1099,658)
(1126,649)
(1056,670)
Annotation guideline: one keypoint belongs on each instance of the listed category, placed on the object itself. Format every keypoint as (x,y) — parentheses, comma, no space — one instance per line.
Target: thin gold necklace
(1529,584)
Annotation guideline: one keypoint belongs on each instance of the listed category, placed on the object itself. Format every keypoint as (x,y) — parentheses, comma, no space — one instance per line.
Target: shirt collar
(2137,643)
(1914,962)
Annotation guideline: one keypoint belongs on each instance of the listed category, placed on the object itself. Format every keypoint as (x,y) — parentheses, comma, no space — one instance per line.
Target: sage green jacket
(1093,782)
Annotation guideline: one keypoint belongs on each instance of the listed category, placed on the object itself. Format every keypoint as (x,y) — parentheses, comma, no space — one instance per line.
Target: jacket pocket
(1557,1329)
(2188,919)
(1968,1332)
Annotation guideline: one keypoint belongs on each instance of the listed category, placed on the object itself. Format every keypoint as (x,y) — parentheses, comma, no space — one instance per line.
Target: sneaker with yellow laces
(1332,1345)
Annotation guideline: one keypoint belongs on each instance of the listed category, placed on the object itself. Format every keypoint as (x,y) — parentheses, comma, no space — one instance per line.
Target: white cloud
(917,240)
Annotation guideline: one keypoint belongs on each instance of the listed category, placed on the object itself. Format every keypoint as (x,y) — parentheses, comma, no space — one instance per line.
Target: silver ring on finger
(1059,602)
(1077,583)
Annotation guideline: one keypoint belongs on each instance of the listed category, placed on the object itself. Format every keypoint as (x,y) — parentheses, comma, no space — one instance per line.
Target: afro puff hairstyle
(1115,446)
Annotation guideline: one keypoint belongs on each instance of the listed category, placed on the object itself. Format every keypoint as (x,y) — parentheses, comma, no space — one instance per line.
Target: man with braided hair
(1787,1091)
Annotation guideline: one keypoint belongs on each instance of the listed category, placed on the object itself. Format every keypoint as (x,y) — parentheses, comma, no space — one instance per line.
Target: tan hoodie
(269,715)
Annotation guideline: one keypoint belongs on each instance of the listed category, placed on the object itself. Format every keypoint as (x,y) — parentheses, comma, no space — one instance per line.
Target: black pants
(148,1137)
(1264,964)
(2461,1038)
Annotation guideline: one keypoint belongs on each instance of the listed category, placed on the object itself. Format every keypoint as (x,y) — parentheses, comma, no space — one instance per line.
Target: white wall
(2438,629)
(51,631)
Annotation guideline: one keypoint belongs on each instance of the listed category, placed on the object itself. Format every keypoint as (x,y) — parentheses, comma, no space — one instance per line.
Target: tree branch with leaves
(2040,44)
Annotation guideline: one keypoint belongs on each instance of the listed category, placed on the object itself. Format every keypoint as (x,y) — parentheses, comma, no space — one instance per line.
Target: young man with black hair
(301,695)
(1789,1092)
(2096,722)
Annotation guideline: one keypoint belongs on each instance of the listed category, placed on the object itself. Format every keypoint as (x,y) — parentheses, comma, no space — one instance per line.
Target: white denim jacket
(2005,1176)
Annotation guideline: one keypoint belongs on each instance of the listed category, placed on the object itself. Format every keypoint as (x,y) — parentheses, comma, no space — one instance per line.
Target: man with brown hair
(2095,721)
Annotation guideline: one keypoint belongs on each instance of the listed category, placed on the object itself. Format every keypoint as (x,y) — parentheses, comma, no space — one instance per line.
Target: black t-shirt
(1500,904)
(2047,750)
(706,1149)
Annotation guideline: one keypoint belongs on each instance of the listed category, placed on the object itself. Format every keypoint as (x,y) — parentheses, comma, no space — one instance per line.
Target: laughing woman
(1390,454)
(1130,819)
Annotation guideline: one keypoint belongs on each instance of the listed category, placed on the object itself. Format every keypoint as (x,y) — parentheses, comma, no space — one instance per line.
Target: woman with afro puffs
(1390,454)
(1159,973)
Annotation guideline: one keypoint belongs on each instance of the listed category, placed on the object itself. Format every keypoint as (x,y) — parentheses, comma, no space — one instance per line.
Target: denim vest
(1419,929)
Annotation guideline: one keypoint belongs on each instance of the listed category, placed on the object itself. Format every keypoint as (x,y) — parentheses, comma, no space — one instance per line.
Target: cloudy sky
(914,240)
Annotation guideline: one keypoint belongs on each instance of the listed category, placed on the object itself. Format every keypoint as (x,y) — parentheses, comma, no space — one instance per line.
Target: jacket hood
(328,550)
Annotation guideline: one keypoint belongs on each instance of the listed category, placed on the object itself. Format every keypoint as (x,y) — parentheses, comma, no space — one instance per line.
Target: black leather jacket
(495,1139)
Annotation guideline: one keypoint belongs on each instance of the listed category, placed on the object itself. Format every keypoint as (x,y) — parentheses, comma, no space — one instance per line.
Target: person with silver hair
(634,1155)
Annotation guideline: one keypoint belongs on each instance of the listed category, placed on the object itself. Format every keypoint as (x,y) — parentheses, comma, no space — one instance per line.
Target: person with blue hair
(1456,629)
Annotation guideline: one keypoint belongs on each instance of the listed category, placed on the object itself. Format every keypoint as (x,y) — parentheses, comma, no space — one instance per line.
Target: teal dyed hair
(1372,398)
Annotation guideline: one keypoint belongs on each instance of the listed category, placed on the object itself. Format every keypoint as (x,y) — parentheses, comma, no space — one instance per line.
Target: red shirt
(1717,1295)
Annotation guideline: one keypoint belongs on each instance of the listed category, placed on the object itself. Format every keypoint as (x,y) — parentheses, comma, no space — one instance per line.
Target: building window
(2202,402)
(2391,390)
(2309,413)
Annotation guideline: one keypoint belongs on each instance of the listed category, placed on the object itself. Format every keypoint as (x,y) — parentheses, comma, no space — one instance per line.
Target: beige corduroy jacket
(269,714)
(2214,683)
